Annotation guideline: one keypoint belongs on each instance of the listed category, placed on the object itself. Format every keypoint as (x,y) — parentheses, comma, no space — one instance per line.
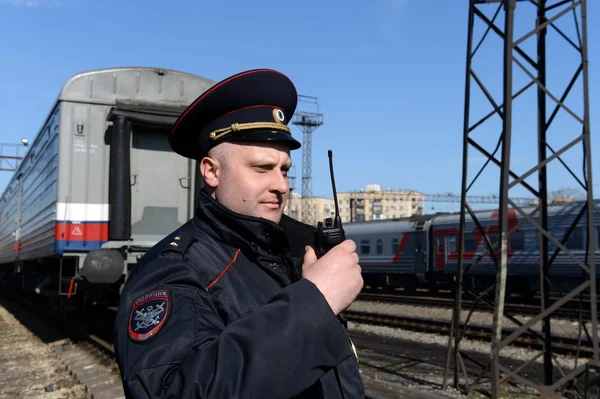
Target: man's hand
(337,274)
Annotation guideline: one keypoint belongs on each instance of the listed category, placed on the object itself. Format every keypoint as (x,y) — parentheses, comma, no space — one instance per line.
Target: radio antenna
(338,219)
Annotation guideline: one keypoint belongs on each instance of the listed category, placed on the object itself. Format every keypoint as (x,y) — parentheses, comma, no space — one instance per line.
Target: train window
(395,243)
(365,247)
(379,246)
(517,240)
(575,240)
(451,244)
(557,234)
(470,245)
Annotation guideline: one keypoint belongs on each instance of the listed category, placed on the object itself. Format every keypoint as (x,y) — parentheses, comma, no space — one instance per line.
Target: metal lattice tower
(308,122)
(524,61)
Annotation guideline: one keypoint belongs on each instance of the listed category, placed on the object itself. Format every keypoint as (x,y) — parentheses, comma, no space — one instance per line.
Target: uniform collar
(258,235)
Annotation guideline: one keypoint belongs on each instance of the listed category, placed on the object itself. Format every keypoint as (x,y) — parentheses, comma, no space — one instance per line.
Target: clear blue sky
(389,75)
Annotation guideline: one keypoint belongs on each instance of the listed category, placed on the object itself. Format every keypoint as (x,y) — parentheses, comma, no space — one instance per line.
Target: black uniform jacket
(218,310)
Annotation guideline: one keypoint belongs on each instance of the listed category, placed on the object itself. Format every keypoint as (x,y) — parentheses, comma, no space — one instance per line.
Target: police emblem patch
(148,314)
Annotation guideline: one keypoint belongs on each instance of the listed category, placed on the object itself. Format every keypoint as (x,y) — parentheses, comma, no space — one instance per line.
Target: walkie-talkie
(332,233)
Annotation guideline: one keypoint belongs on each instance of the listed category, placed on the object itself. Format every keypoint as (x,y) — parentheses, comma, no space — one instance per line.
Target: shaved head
(221,152)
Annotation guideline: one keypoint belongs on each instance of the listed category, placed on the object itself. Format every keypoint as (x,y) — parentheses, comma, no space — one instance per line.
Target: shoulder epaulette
(178,244)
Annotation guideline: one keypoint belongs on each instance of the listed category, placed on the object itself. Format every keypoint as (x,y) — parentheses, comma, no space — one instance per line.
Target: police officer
(235,303)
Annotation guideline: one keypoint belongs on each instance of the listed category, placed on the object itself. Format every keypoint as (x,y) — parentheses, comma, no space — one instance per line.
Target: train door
(161,185)
(441,255)
(420,259)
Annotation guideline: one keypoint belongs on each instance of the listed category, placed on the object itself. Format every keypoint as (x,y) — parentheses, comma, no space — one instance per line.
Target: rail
(561,344)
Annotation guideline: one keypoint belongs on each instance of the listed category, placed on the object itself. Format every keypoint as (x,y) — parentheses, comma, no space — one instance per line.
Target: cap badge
(278,115)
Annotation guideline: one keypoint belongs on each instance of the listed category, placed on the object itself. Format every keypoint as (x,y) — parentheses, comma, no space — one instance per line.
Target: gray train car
(99,185)
(422,252)
(523,248)
(393,253)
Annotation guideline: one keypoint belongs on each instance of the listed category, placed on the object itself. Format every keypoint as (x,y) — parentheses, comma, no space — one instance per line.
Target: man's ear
(211,171)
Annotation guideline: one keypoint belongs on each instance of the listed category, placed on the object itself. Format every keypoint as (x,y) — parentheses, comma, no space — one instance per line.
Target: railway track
(561,345)
(87,357)
(570,313)
(91,364)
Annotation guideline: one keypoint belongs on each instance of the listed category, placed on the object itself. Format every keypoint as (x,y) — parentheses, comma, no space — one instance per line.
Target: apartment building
(370,203)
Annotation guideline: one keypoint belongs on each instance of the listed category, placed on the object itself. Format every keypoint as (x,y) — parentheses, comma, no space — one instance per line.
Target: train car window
(395,243)
(575,240)
(365,247)
(557,234)
(451,244)
(517,240)
(470,242)
(379,246)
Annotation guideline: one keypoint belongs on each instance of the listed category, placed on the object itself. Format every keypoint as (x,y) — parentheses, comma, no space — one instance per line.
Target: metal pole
(589,183)
(463,199)
(543,190)
(509,8)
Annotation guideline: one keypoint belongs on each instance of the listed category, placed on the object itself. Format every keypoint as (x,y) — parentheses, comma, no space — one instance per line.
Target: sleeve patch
(148,314)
